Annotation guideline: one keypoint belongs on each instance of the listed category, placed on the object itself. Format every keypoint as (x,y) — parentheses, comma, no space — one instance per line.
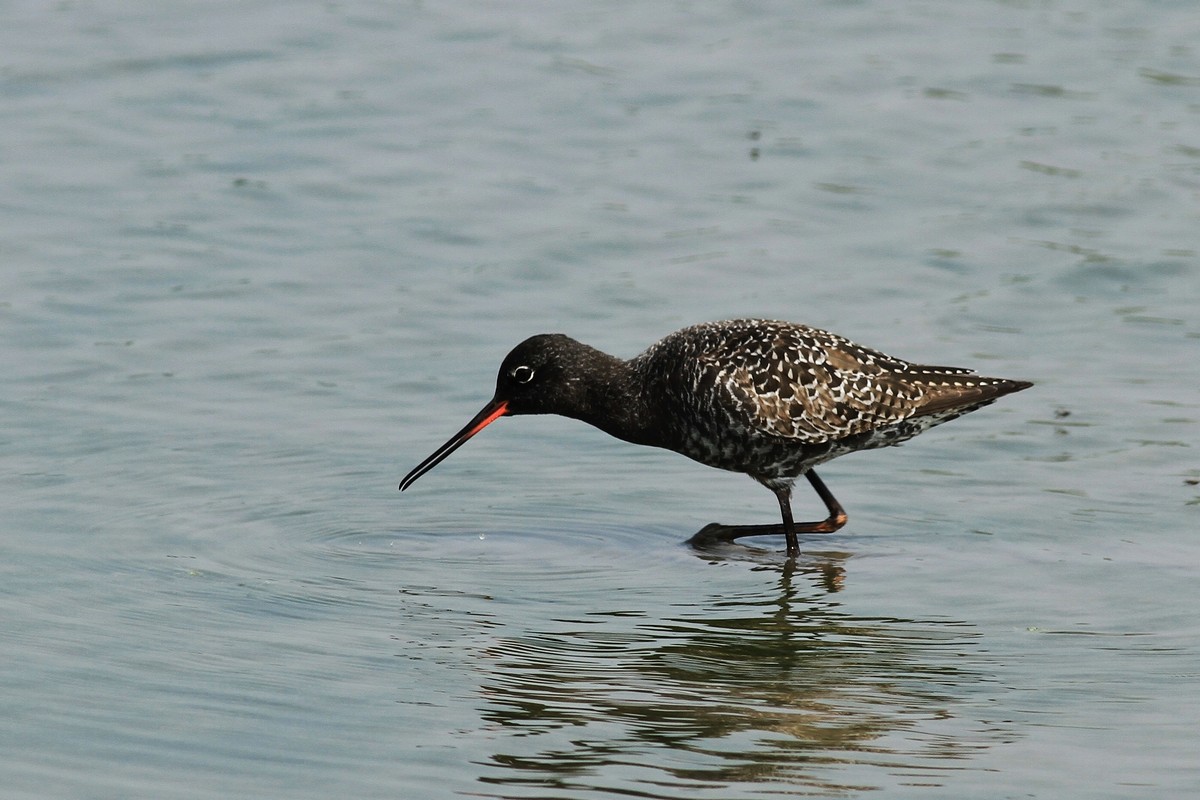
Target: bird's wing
(811,385)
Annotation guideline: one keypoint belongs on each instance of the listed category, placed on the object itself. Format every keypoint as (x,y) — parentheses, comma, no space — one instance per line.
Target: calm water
(260,259)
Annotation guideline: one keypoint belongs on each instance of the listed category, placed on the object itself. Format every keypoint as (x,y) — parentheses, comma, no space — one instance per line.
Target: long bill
(490,413)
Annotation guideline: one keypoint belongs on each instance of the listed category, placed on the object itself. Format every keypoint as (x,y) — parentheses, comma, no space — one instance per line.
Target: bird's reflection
(777,685)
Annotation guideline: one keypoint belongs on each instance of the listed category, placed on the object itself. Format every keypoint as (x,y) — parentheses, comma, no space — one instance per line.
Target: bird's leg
(837,514)
(784,495)
(835,520)
(716,532)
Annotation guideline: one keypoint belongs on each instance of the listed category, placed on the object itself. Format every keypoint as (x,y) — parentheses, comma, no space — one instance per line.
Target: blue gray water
(259,259)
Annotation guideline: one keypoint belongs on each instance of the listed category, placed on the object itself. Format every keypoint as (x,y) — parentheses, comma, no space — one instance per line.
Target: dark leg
(837,514)
(784,496)
(835,520)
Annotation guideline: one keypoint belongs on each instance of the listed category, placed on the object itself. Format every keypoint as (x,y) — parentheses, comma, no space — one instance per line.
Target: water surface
(258,261)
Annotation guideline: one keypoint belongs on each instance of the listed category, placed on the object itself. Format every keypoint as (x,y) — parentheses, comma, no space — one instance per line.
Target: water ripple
(750,690)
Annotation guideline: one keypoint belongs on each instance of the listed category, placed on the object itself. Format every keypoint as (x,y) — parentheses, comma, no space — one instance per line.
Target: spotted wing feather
(810,385)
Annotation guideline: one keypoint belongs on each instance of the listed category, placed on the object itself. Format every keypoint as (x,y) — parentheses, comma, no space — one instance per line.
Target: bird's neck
(615,401)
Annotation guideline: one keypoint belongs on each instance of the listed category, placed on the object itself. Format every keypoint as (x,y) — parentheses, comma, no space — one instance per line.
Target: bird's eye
(522,374)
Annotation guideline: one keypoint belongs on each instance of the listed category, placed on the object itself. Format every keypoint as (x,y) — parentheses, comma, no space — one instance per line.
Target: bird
(766,398)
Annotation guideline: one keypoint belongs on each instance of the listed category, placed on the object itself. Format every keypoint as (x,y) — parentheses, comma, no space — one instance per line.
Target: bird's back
(744,386)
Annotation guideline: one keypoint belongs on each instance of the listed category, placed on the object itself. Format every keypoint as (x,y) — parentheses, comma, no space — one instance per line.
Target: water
(259,260)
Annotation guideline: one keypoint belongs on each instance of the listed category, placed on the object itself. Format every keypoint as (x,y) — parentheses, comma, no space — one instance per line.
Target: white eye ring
(522,374)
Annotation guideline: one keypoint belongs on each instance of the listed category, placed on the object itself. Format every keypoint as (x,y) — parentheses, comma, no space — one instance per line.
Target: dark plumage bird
(770,399)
